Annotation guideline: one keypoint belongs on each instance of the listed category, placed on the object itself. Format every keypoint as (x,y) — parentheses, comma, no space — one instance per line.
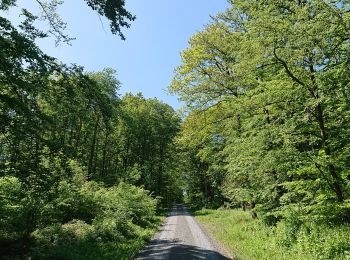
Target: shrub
(118,214)
(11,220)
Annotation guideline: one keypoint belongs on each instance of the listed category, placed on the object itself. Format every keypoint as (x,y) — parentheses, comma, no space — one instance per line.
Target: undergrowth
(247,238)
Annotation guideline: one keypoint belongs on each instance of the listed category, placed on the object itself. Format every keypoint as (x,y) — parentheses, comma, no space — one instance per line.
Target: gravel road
(181,238)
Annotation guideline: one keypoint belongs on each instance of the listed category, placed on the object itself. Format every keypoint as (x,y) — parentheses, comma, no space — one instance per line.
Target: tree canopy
(82,169)
(265,127)
(267,84)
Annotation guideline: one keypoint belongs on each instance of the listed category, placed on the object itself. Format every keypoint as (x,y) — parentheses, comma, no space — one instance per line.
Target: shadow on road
(179,210)
(173,250)
(180,237)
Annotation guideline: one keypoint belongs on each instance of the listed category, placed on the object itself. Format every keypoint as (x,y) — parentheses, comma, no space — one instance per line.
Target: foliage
(80,167)
(11,207)
(266,90)
(114,11)
(201,156)
(100,216)
(147,132)
(248,238)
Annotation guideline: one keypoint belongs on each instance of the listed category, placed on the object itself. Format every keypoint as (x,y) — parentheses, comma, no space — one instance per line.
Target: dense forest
(267,91)
(80,166)
(267,94)
(265,128)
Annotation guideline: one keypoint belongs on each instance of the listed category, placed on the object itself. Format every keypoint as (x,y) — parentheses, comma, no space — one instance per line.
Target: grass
(247,238)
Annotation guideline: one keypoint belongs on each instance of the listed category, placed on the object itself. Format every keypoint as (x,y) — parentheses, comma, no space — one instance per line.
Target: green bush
(123,214)
(63,216)
(11,208)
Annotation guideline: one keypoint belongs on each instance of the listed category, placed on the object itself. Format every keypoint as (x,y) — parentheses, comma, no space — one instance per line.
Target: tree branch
(289,72)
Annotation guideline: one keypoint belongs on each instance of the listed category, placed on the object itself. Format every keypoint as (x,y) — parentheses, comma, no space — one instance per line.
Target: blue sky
(146,60)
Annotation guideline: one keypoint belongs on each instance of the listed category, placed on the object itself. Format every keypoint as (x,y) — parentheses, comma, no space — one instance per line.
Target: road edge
(219,246)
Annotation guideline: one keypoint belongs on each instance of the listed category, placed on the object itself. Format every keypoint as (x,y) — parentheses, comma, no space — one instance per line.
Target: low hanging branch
(113,10)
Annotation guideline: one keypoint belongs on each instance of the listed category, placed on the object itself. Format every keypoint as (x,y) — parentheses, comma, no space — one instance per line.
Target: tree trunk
(92,149)
(327,150)
(104,154)
(336,186)
(77,143)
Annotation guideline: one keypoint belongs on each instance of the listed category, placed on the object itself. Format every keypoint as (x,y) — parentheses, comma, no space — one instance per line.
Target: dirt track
(181,238)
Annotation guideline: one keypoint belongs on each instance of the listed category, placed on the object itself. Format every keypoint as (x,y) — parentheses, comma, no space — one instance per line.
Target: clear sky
(146,60)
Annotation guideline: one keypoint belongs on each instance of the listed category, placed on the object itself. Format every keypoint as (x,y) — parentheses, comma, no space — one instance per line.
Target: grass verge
(246,238)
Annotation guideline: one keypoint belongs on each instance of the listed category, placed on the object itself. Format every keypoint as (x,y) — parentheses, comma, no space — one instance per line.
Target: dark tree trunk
(92,148)
(331,168)
(77,143)
(336,183)
(104,155)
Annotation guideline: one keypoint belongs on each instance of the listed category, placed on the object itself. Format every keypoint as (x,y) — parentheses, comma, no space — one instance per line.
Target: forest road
(181,237)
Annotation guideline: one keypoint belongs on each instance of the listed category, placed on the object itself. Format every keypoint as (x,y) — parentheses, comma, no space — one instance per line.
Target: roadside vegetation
(266,86)
(265,128)
(107,223)
(247,238)
(83,171)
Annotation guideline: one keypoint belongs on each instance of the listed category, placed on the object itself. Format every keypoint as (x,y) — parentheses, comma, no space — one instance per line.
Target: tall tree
(280,77)
(147,132)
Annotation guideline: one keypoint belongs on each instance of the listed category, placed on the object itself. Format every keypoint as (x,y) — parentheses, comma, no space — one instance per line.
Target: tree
(114,11)
(72,151)
(280,80)
(201,145)
(147,131)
